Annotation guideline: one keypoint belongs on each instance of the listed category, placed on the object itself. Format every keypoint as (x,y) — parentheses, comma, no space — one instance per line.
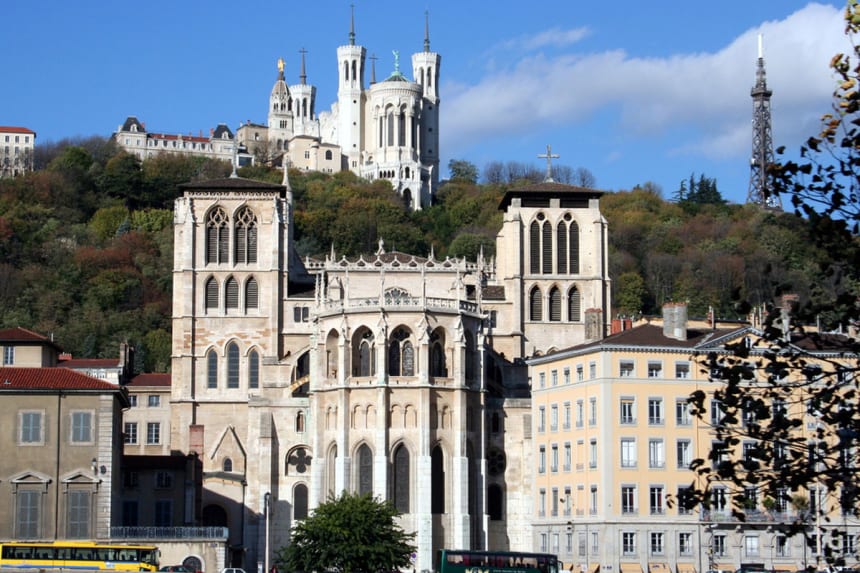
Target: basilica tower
(280,113)
(425,70)
(350,99)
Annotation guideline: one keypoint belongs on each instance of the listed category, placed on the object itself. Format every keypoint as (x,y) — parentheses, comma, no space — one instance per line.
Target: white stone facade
(16,150)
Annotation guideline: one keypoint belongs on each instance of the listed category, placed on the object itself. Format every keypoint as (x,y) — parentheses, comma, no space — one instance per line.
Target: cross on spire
(549,157)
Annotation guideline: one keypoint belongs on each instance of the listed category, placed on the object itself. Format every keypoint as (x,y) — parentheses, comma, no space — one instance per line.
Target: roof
(18,334)
(13,129)
(231,183)
(150,380)
(132,121)
(50,379)
(548,189)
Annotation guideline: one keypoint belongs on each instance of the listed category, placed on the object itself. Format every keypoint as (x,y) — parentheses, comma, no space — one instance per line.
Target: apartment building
(16,150)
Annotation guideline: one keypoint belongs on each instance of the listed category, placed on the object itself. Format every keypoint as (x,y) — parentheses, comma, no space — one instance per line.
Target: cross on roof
(549,157)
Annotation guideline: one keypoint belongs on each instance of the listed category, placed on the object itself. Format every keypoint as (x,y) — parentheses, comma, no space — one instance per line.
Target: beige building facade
(16,150)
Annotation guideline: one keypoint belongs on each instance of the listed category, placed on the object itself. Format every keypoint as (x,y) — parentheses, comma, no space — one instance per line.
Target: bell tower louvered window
(535,305)
(211,294)
(232,293)
(574,306)
(574,248)
(555,305)
(251,294)
(217,237)
(246,236)
(232,365)
(561,247)
(546,239)
(211,369)
(534,247)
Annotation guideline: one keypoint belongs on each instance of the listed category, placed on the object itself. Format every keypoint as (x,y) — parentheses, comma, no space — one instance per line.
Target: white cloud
(701,100)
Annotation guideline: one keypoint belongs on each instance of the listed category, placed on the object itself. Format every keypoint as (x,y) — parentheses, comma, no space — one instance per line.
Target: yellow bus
(77,555)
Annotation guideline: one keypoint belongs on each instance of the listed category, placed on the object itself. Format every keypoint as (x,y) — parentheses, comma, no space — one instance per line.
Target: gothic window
(401,479)
(253,370)
(534,247)
(535,305)
(232,293)
(212,369)
(217,236)
(300,501)
(471,356)
(561,247)
(437,355)
(495,502)
(246,236)
(365,354)
(437,481)
(574,306)
(555,305)
(496,462)
(365,470)
(401,354)
(251,294)
(390,118)
(300,422)
(232,365)
(298,461)
(228,465)
(211,294)
(573,245)
(401,129)
(546,240)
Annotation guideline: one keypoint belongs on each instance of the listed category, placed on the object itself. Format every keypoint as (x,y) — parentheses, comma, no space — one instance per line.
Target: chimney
(675,320)
(593,324)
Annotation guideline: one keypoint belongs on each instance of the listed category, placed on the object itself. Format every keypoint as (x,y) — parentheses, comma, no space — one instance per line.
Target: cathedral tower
(350,98)
(425,70)
(304,96)
(280,113)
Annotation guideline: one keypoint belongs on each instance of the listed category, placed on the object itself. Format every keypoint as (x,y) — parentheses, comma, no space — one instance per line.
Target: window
(132,400)
(592,507)
(567,375)
(781,544)
(541,419)
(163,513)
(568,457)
(542,460)
(592,456)
(301,314)
(211,299)
(625,369)
(554,377)
(252,299)
(542,502)
(718,545)
(554,458)
(718,500)
(253,369)
(657,500)
(627,411)
(8,355)
(716,413)
(211,369)
(232,293)
(553,417)
(580,374)
(682,412)
(628,543)
(685,543)
(31,428)
(246,237)
(542,380)
(153,401)
(581,544)
(130,433)
(567,415)
(685,453)
(628,452)
(580,413)
(554,305)
(27,514)
(217,236)
(232,365)
(592,370)
(535,305)
(656,453)
(78,515)
(554,501)
(682,370)
(82,427)
(628,499)
(574,305)
(163,480)
(592,411)
(751,545)
(153,433)
(655,369)
(657,546)
(655,411)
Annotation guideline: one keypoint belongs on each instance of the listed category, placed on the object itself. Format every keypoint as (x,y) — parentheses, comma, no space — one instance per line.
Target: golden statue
(281,65)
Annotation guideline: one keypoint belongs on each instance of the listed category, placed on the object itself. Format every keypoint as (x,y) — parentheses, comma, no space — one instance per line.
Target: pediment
(30,477)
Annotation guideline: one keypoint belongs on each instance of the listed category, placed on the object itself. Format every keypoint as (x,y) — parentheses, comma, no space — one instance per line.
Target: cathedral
(388,129)
(398,375)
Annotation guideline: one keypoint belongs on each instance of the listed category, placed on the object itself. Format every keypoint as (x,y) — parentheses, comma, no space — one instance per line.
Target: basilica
(397,374)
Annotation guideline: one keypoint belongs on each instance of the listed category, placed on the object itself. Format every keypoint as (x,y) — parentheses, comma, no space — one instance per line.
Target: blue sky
(634,92)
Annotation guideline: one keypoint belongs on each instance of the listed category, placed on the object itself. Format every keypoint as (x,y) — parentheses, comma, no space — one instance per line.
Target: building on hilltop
(390,373)
(16,153)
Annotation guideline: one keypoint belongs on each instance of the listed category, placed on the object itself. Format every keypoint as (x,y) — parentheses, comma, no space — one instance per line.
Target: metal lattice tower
(762,141)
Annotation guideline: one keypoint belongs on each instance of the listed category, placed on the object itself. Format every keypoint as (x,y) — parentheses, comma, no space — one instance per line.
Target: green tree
(630,293)
(462,170)
(349,534)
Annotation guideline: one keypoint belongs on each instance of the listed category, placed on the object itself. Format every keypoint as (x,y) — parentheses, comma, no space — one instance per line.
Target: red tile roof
(150,380)
(50,379)
(19,334)
(12,129)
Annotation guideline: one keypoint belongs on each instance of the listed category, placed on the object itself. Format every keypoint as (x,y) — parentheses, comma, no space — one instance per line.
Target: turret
(280,112)
(304,101)
(350,95)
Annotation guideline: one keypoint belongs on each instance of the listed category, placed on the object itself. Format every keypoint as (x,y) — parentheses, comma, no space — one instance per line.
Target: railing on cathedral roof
(402,303)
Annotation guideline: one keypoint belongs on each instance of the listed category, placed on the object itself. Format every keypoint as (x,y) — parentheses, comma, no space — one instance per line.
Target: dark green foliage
(349,534)
(463,171)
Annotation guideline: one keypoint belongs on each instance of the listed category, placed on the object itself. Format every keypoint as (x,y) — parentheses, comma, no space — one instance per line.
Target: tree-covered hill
(86,243)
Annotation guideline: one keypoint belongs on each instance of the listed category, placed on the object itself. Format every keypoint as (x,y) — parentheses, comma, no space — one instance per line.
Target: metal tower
(762,141)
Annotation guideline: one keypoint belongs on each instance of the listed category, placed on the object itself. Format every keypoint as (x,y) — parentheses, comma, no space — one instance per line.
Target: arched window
(401,354)
(298,462)
(554,305)
(561,247)
(401,479)
(251,294)
(437,481)
(535,305)
(211,294)
(401,129)
(574,306)
(228,465)
(232,365)
(232,293)
(546,240)
(365,355)
(365,470)
(300,421)
(573,245)
(534,247)
(390,128)
(437,355)
(253,369)
(217,239)
(328,154)
(300,501)
(211,369)
(246,236)
(495,502)
(471,356)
